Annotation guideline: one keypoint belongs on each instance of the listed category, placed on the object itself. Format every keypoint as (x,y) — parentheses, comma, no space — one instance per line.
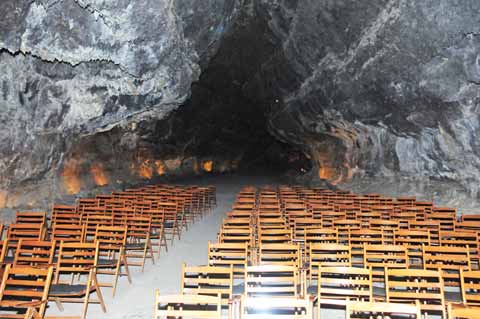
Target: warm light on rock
(99,175)
(146,170)
(159,167)
(70,176)
(207,166)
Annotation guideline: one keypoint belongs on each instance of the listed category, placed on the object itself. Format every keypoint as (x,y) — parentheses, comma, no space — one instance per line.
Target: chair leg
(116,274)
(99,294)
(127,270)
(59,304)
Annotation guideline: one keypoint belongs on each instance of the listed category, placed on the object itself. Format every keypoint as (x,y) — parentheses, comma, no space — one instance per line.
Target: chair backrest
(344,283)
(380,256)
(208,280)
(254,308)
(32,231)
(358,309)
(459,238)
(229,255)
(462,312)
(271,281)
(357,238)
(450,260)
(31,218)
(328,255)
(68,232)
(25,287)
(409,285)
(280,254)
(236,235)
(76,258)
(470,285)
(111,238)
(138,227)
(302,224)
(315,235)
(92,221)
(34,253)
(275,236)
(187,306)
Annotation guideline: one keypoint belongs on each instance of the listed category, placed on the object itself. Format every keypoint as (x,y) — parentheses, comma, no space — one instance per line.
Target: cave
(361,109)
(375,97)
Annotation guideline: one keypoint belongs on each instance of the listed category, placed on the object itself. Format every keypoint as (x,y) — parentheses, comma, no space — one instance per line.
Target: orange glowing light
(326,173)
(99,175)
(207,166)
(146,170)
(159,167)
(70,174)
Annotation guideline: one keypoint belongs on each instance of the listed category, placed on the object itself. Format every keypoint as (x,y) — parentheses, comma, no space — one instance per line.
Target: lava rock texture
(75,68)
(382,96)
(380,93)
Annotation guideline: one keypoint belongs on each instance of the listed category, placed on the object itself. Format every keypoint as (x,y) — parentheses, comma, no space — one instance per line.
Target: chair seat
(238,289)
(312,290)
(135,246)
(107,262)
(66,290)
(453,296)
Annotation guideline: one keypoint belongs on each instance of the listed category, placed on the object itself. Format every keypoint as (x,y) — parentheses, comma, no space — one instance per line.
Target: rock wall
(382,96)
(380,91)
(75,68)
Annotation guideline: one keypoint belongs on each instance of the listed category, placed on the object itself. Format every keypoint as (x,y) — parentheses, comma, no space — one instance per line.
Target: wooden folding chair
(459,238)
(228,255)
(280,254)
(463,312)
(139,245)
(171,226)
(28,231)
(157,235)
(344,226)
(34,253)
(389,227)
(380,257)
(470,287)
(275,236)
(74,260)
(92,221)
(413,240)
(236,235)
(187,306)
(328,255)
(112,254)
(337,285)
(360,309)
(276,308)
(68,232)
(358,238)
(24,289)
(31,218)
(411,285)
(272,281)
(449,260)
(208,281)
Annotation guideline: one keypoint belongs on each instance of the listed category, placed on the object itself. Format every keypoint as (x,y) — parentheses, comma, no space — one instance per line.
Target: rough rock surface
(73,68)
(381,95)
(384,91)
